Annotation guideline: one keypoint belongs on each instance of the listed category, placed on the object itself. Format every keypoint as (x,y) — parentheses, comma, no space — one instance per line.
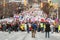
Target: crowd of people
(30,21)
(29,26)
(15,26)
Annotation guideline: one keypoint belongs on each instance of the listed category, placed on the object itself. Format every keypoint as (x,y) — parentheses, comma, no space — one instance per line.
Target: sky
(55,1)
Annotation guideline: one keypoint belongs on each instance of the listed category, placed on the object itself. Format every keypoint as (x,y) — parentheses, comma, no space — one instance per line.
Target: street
(26,15)
(27,36)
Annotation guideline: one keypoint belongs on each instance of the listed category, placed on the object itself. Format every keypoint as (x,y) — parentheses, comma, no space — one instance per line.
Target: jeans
(47,34)
(4,28)
(9,30)
(42,28)
(33,33)
(52,29)
(28,30)
(56,29)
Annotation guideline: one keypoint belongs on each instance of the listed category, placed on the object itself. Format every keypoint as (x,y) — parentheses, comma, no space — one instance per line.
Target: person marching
(34,28)
(47,30)
(9,27)
(52,27)
(59,28)
(42,26)
(28,28)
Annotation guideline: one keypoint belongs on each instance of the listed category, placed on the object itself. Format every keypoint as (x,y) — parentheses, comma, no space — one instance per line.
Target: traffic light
(41,5)
(49,1)
(4,3)
(56,6)
(25,2)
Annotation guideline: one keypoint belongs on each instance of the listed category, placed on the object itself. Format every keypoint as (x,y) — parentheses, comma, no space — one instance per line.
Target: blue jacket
(34,26)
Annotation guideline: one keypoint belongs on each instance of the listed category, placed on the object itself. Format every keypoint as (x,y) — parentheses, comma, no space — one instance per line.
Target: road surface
(27,36)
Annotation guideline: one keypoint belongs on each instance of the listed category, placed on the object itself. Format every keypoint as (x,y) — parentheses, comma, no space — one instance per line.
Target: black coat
(47,29)
(27,27)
